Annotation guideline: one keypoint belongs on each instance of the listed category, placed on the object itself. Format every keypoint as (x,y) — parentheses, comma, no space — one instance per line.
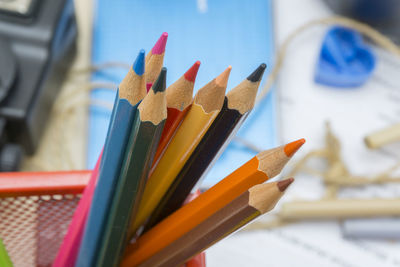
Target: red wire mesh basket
(35,211)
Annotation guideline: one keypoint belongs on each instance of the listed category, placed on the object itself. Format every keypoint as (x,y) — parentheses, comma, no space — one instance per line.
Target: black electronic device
(37,44)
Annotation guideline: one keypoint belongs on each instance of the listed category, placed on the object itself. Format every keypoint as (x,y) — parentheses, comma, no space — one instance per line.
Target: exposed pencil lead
(159,47)
(191,74)
(222,79)
(257,74)
(138,65)
(161,82)
(284,184)
(292,147)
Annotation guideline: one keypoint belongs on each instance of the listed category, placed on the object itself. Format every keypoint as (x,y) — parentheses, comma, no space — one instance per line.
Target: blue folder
(218,33)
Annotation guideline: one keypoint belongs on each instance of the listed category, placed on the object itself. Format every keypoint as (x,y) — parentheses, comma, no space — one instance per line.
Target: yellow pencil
(207,104)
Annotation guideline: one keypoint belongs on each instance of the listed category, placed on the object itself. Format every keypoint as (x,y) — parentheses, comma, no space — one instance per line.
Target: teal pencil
(130,92)
(143,142)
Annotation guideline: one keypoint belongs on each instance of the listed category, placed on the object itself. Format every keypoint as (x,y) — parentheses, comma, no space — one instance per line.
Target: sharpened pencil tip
(191,74)
(138,65)
(284,184)
(222,79)
(257,74)
(161,82)
(159,47)
(292,147)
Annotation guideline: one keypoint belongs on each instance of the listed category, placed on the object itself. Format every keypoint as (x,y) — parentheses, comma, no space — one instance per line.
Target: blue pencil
(131,91)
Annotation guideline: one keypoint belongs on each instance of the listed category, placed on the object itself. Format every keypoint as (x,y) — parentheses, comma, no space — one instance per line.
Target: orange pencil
(179,100)
(260,168)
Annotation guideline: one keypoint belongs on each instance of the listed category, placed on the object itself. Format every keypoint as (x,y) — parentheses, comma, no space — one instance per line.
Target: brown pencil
(256,201)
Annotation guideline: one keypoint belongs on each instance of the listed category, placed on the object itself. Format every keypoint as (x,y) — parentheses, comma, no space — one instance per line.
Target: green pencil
(5,260)
(143,141)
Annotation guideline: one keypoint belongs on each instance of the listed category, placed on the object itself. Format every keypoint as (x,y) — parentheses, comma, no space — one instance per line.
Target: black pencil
(237,105)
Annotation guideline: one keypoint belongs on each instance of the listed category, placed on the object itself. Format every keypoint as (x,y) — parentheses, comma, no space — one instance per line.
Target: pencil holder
(35,211)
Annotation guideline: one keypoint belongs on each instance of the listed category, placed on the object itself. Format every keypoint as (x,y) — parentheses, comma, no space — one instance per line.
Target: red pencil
(179,100)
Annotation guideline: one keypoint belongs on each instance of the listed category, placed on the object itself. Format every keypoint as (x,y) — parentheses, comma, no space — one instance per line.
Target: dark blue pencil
(130,92)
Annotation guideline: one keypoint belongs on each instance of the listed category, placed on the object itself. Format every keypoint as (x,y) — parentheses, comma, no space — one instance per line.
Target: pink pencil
(68,251)
(155,59)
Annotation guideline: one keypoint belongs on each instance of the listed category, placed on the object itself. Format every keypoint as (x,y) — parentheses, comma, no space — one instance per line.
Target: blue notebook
(218,33)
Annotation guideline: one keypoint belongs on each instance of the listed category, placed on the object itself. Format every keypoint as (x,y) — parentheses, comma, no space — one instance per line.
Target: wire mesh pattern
(33,227)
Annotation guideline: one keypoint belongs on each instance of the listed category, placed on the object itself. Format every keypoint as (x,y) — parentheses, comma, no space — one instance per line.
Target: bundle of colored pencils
(160,144)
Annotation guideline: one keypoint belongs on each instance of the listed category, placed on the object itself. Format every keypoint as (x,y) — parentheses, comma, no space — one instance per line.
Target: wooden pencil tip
(292,147)
(284,184)
(159,47)
(257,74)
(222,79)
(161,82)
(191,74)
(138,65)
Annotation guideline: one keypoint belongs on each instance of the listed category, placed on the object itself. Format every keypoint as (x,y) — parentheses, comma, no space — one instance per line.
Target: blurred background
(332,78)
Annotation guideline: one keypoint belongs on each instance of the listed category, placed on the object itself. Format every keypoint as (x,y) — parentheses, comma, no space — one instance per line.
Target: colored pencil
(237,105)
(155,60)
(145,135)
(256,201)
(179,100)
(68,251)
(383,137)
(200,259)
(131,91)
(340,209)
(5,260)
(262,167)
(207,103)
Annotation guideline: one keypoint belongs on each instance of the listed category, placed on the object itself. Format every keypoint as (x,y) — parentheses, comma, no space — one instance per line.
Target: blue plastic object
(345,60)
